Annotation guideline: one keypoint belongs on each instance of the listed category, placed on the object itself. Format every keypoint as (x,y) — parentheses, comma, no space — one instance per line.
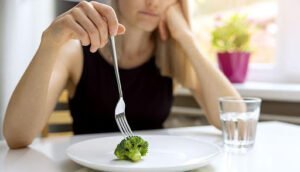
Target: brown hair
(170,57)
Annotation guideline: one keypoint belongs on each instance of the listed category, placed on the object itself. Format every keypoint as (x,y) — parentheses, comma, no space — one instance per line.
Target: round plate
(166,153)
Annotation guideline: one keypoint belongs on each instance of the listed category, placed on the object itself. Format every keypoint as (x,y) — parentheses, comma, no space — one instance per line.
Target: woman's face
(144,14)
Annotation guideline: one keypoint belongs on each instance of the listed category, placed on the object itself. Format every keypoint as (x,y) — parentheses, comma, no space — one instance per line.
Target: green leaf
(234,35)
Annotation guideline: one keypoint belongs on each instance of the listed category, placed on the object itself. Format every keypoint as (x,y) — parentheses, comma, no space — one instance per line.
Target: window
(274,34)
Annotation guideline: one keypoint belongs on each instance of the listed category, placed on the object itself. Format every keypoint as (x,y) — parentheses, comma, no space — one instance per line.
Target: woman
(157,48)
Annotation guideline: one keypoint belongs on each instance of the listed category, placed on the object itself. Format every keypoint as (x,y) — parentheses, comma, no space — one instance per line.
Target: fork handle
(115,62)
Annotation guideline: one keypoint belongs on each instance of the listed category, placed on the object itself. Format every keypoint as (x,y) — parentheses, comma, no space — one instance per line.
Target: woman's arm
(211,83)
(26,112)
(53,64)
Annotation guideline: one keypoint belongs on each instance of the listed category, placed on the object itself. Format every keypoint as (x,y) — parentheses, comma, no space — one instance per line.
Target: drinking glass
(239,117)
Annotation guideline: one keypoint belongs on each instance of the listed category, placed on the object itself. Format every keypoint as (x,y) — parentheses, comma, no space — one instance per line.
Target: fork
(120,108)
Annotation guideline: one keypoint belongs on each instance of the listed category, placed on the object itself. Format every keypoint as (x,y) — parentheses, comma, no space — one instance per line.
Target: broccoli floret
(132,148)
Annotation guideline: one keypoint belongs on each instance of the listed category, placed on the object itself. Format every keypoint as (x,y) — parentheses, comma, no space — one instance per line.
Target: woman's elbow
(214,120)
(16,139)
(217,124)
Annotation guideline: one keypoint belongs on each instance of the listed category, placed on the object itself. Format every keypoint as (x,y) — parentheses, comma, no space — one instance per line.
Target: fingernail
(113,32)
(93,50)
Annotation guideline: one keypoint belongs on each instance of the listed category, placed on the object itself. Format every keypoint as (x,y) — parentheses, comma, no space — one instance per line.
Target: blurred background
(273,74)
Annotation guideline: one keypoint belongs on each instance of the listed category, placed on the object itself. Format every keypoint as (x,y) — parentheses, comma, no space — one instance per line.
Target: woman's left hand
(175,24)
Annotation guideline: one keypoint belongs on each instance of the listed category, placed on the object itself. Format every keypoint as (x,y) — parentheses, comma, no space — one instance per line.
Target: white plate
(166,153)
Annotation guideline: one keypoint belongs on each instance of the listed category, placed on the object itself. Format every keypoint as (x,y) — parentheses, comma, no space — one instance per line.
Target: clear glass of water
(239,117)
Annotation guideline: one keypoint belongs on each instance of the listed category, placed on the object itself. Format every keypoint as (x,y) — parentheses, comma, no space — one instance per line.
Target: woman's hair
(170,57)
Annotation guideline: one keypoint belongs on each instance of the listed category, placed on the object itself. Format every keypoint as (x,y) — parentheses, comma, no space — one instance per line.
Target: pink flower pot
(234,65)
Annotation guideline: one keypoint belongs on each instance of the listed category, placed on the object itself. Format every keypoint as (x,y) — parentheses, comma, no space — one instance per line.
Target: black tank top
(147,94)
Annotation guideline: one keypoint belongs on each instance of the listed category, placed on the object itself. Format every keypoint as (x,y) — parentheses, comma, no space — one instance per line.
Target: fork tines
(123,125)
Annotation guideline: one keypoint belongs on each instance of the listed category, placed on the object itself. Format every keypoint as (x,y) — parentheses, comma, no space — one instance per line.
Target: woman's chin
(147,27)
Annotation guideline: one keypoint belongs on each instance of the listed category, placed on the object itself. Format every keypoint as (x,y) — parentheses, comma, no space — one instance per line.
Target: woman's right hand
(89,22)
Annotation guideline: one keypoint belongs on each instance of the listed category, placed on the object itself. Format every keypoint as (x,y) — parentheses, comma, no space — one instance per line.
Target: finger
(163,32)
(110,15)
(98,21)
(90,28)
(77,31)
(121,29)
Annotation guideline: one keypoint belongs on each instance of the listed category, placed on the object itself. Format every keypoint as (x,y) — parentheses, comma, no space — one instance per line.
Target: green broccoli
(132,148)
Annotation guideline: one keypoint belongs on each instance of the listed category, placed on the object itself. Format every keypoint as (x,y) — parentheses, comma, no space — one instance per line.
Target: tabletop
(277,149)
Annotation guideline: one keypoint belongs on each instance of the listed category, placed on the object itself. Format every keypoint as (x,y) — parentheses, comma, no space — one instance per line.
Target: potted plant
(231,40)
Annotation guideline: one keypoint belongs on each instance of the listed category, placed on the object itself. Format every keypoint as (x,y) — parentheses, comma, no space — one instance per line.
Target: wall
(22,23)
(1,61)
(289,46)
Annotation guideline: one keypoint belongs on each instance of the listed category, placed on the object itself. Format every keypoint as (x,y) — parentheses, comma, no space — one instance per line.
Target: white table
(277,149)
